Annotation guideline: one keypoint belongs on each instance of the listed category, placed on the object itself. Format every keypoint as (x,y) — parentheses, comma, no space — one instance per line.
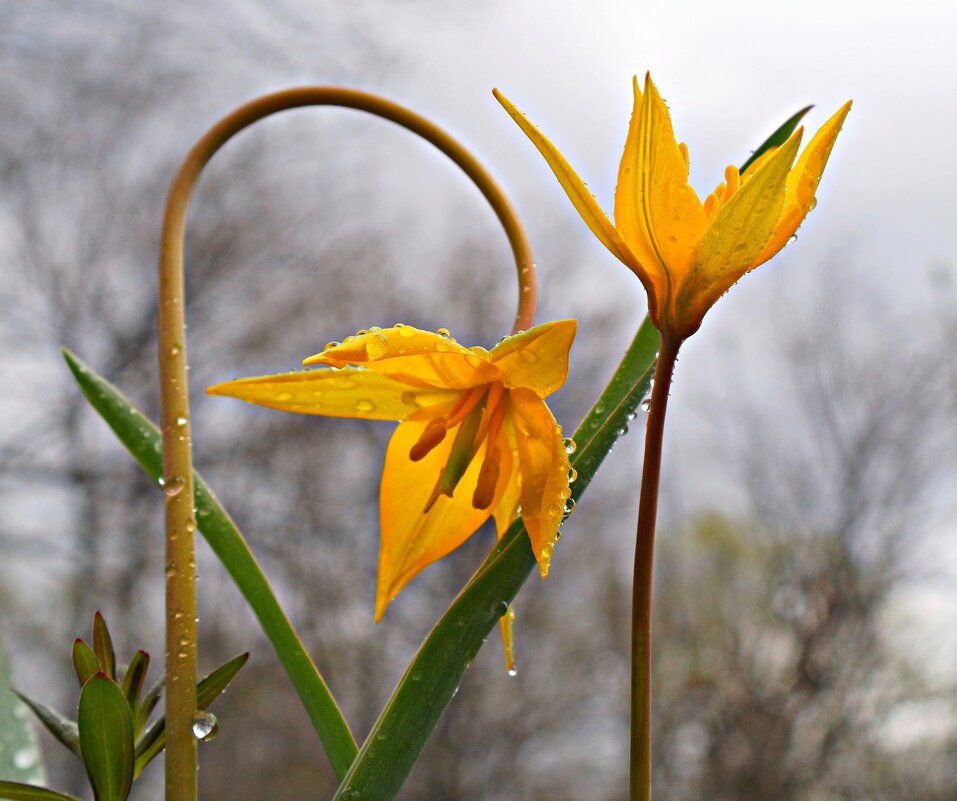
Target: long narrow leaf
(433,676)
(778,138)
(58,725)
(14,791)
(142,439)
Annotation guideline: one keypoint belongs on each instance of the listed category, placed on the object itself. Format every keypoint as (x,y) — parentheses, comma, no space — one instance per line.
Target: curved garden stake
(174,395)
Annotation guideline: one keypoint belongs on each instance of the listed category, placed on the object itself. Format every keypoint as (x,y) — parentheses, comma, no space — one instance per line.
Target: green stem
(181,768)
(642,586)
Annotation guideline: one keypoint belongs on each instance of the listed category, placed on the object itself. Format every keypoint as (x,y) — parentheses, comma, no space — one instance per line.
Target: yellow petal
(627,214)
(333,393)
(735,239)
(544,467)
(506,509)
(411,540)
(537,358)
(414,357)
(575,188)
(803,181)
(665,211)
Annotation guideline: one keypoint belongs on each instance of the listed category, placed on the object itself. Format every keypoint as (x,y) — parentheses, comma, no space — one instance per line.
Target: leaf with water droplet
(433,677)
(142,438)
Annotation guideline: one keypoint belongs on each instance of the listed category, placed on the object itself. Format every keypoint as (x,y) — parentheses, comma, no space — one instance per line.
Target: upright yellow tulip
(688,253)
(475,438)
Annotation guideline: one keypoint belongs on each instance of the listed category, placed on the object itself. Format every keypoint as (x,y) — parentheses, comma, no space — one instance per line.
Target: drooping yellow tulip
(688,253)
(475,438)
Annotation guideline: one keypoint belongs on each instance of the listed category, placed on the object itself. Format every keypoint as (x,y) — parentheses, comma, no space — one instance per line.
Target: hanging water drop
(570,445)
(512,672)
(569,507)
(205,725)
(572,475)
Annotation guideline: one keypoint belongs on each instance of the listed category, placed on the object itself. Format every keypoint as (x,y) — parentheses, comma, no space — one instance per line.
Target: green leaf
(106,738)
(133,678)
(145,709)
(85,662)
(207,691)
(58,725)
(103,646)
(433,676)
(19,752)
(142,439)
(778,138)
(14,791)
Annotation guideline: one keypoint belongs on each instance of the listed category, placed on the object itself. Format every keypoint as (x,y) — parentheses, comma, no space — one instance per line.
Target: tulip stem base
(640,775)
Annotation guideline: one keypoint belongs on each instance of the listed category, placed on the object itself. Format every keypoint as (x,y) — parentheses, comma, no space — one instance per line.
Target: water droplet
(646,404)
(553,510)
(528,356)
(600,408)
(175,350)
(364,405)
(631,415)
(416,675)
(621,431)
(404,330)
(512,672)
(570,445)
(569,507)
(361,332)
(161,481)
(24,758)
(284,396)
(794,238)
(190,526)
(443,347)
(330,345)
(205,725)
(444,332)
(181,420)
(374,329)
(173,486)
(572,475)
(498,608)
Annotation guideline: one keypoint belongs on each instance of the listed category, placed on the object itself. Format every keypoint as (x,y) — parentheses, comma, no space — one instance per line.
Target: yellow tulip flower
(475,438)
(688,253)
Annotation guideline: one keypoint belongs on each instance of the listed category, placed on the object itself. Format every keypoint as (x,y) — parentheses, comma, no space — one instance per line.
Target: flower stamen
(434,433)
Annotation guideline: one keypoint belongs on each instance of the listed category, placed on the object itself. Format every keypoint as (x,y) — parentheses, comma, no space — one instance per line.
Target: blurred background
(806,576)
